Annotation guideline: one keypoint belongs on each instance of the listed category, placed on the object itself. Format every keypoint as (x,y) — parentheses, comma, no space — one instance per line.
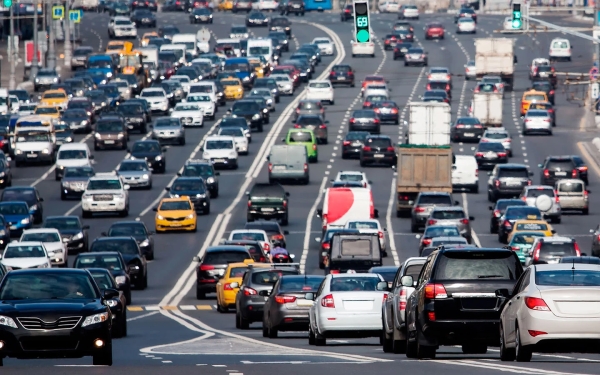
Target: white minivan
(560,49)
(465,174)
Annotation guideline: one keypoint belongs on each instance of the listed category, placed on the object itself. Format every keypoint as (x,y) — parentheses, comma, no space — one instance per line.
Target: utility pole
(597,23)
(11,81)
(68,34)
(51,46)
(34,61)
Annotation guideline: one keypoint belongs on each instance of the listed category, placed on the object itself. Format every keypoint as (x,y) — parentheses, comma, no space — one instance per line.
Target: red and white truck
(343,204)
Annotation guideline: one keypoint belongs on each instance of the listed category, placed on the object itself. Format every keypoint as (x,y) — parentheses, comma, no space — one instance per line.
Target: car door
(512,308)
(313,310)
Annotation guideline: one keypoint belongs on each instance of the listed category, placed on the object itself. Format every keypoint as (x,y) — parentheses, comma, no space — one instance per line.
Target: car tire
(200,294)
(243,323)
(86,214)
(506,354)
(272,332)
(556,220)
(585,211)
(424,351)
(411,348)
(265,330)
(104,357)
(320,340)
(249,218)
(523,353)
(63,197)
(128,297)
(387,341)
(150,255)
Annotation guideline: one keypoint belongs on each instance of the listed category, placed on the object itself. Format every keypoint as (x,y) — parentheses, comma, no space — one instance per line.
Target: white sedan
(369,226)
(22,255)
(156,98)
(205,102)
(346,305)
(184,80)
(363,49)
(320,91)
(252,235)
(240,139)
(466,25)
(325,45)
(388,7)
(52,241)
(284,83)
(190,114)
(555,307)
(354,176)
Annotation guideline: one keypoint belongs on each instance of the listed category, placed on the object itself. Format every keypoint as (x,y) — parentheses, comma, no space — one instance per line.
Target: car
(265,99)
(45,77)
(346,290)
(292,6)
(284,83)
(376,89)
(424,204)
(452,216)
(105,193)
(465,12)
(436,230)
(73,233)
(190,114)
(29,195)
(434,30)
(306,138)
(267,201)
(378,149)
(489,154)
(470,70)
(273,230)
(403,26)
(110,132)
(213,264)
(314,123)
(137,230)
(132,255)
(365,120)
(537,226)
(157,98)
(408,11)
(522,242)
(135,173)
(121,27)
(545,199)
(401,49)
(508,180)
(514,214)
(256,19)
(118,305)
(572,195)
(347,12)
(233,88)
(537,121)
(309,107)
(370,226)
(175,214)
(74,181)
(544,86)
(499,135)
(440,85)
(241,141)
(394,306)
(560,49)
(549,250)
(201,15)
(72,155)
(26,255)
(386,110)
(53,244)
(228,286)
(556,168)
(152,152)
(168,130)
(77,120)
(365,49)
(204,169)
(467,129)
(449,280)
(531,96)
(221,150)
(239,31)
(466,25)
(195,189)
(357,176)
(143,17)
(281,24)
(507,24)
(325,242)
(93,334)
(287,308)
(415,56)
(499,209)
(325,45)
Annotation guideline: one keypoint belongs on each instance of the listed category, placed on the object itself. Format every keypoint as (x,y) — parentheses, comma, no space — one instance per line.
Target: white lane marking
(142,316)
(309,220)
(388,221)
(466,207)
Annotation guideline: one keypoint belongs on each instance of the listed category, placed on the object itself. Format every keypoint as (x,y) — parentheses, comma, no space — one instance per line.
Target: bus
(318,5)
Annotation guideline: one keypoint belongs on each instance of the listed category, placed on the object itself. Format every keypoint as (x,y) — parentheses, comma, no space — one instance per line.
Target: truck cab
(34,144)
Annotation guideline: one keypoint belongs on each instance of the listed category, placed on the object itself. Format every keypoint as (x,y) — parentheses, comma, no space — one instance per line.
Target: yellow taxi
(115,46)
(225,5)
(258,66)
(147,36)
(535,226)
(47,110)
(532,96)
(55,98)
(232,88)
(229,285)
(175,214)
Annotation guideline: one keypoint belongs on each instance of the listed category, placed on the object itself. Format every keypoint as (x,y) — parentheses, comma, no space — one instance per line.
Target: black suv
(347,13)
(281,24)
(27,194)
(499,209)
(292,6)
(135,116)
(556,168)
(455,301)
(378,149)
(204,169)
(152,152)
(268,201)
(72,232)
(211,268)
(137,266)
(137,230)
(251,111)
(342,74)
(508,180)
(193,187)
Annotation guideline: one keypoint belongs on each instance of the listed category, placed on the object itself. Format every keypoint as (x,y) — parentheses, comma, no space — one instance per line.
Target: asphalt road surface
(168,327)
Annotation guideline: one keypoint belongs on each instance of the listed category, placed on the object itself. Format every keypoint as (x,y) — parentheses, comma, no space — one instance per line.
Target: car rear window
(571,187)
(563,165)
(300,137)
(348,284)
(434,231)
(308,105)
(309,120)
(354,136)
(238,272)
(437,85)
(553,249)
(534,193)
(341,69)
(435,199)
(496,135)
(304,283)
(491,146)
(356,247)
(449,241)
(224,257)
(568,278)
(448,215)
(478,265)
(513,173)
(378,142)
(531,213)
(269,277)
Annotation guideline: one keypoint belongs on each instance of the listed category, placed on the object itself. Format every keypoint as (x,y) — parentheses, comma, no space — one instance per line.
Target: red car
(290,70)
(434,30)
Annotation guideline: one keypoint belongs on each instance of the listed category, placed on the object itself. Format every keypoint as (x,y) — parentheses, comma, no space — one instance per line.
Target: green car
(304,137)
(521,243)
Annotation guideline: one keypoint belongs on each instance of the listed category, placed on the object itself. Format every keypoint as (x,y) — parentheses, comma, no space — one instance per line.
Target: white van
(560,49)
(189,40)
(179,50)
(260,47)
(236,44)
(4,101)
(465,174)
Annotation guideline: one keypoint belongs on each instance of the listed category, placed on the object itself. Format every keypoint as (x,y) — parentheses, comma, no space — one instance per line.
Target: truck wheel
(249,218)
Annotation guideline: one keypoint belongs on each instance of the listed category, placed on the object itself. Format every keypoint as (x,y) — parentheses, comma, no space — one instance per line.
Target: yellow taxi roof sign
(532,217)
(248,261)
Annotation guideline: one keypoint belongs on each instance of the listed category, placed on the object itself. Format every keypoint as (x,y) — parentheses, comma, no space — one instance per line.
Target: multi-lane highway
(168,327)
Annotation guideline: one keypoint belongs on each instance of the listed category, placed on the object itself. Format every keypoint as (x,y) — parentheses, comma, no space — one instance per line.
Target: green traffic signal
(361,22)
(7,3)
(517,24)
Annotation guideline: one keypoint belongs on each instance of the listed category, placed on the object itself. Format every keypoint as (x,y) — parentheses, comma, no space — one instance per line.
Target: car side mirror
(164,149)
(589,191)
(553,231)
(287,194)
(128,150)
(491,208)
(196,259)
(104,234)
(168,188)
(376,213)
(110,293)
(317,239)
(282,139)
(247,193)
(319,212)
(179,174)
(85,227)
(456,203)
(584,254)
(530,174)
(286,232)
(382,286)
(268,158)
(502,293)
(327,121)
(406,281)
(540,165)
(234,285)
(264,293)
(309,296)
(471,218)
(91,157)
(155,209)
(41,199)
(217,173)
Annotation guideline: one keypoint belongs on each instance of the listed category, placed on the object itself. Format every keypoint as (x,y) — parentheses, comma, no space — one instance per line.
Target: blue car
(17,216)
(26,194)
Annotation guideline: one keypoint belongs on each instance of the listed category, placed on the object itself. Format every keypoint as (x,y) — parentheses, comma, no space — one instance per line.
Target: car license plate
(279,167)
(31,155)
(304,302)
(341,78)
(560,173)
(268,209)
(491,155)
(513,183)
(379,155)
(13,227)
(175,225)
(469,134)
(219,160)
(109,142)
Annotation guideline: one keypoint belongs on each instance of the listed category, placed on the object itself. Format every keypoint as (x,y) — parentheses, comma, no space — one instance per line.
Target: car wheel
(265,330)
(311,336)
(506,354)
(523,353)
(244,323)
(273,332)
(200,294)
(63,197)
(387,341)
(320,340)
(128,297)
(104,357)
(585,211)
(424,351)
(411,348)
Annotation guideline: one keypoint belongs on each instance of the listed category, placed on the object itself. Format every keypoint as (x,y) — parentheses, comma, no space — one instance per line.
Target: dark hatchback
(118,305)
(257,19)
(512,214)
(55,313)
(113,262)
(248,109)
(401,49)
(26,194)
(281,24)
(466,129)
(508,180)
(194,188)
(353,143)
(137,266)
(73,233)
(454,302)
(440,96)
(488,154)
(143,18)
(440,85)
(499,209)
(135,116)
(546,87)
(314,123)
(204,169)
(152,152)
(556,168)
(342,74)
(137,230)
(378,149)
(365,120)
(201,15)
(74,181)
(386,110)
(213,264)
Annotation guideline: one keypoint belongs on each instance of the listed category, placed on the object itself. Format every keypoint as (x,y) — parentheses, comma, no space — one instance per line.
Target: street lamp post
(34,61)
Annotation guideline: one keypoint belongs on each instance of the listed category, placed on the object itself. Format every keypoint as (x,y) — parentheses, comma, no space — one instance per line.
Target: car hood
(51,246)
(50,312)
(133,173)
(180,114)
(144,155)
(175,213)
(219,153)
(73,162)
(24,262)
(15,218)
(75,179)
(31,146)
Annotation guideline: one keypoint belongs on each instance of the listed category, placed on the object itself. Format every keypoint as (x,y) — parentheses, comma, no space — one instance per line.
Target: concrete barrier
(27,86)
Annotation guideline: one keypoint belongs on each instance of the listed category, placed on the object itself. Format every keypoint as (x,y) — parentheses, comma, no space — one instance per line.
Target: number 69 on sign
(362,21)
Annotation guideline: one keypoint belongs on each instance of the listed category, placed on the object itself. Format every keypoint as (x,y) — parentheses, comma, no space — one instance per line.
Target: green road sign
(58,12)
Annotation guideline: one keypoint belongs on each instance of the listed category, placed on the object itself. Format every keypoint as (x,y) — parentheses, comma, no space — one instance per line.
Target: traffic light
(7,3)
(517,21)
(362,22)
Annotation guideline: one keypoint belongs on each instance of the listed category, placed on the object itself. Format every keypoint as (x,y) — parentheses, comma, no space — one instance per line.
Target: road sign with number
(58,12)
(75,16)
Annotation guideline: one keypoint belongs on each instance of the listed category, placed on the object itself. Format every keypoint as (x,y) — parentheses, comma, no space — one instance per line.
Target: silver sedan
(554,307)
(169,130)
(537,121)
(500,135)
(135,173)
(266,94)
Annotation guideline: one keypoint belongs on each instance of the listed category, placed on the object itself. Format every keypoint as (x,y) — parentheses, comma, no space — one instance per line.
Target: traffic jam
(66,292)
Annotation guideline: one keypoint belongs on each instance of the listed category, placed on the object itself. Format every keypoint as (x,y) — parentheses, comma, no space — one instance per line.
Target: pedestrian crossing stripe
(170,308)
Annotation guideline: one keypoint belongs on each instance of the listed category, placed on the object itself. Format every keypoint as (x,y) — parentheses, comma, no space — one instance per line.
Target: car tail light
(285,299)
(577,249)
(497,213)
(249,203)
(556,197)
(536,252)
(352,120)
(206,267)
(270,167)
(325,246)
(435,291)
(428,77)
(327,301)
(387,42)
(227,286)
(314,147)
(377,110)
(428,86)
(479,154)
(507,224)
(296,126)
(262,259)
(305,167)
(403,197)
(574,173)
(366,104)
(297,110)
(464,221)
(366,148)
(384,297)
(380,234)
(461,126)
(447,87)
(419,209)
(538,304)
(427,241)
(431,316)
(376,121)
(332,73)
(551,92)
(402,300)
(285,203)
(582,169)
(266,247)
(476,172)
(502,154)
(515,248)
(394,110)
(423,56)
(249,291)
(533,333)
(322,126)
(476,89)
(546,173)
(431,221)
(497,183)
(347,143)
(390,149)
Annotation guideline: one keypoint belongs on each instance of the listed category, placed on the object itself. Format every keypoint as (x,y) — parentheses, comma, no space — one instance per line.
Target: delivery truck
(487,107)
(495,56)
(429,124)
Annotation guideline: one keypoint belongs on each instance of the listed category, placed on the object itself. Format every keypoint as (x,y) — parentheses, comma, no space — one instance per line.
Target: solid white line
(466,207)
(142,316)
(388,221)
(309,218)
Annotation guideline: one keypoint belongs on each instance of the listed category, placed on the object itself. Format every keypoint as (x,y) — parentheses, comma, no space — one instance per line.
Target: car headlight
(111,303)
(145,177)
(103,104)
(68,139)
(37,79)
(84,122)
(160,217)
(239,89)
(55,79)
(256,117)
(246,79)
(45,265)
(5,320)
(120,279)
(120,136)
(145,243)
(200,195)
(25,221)
(170,95)
(60,166)
(2,232)
(95,319)
(97,135)
(109,74)
(173,195)
(210,180)
(18,152)
(158,158)
(190,216)
(45,151)
(78,236)
(234,116)
(121,196)
(265,110)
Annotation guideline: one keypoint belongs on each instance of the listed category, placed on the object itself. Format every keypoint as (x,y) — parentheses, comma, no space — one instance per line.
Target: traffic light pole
(12,60)
(597,23)
(34,60)
(67,21)
(51,46)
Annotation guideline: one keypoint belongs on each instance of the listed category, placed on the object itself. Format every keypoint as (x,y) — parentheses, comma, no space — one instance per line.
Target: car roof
(338,275)
(218,248)
(74,146)
(566,266)
(40,230)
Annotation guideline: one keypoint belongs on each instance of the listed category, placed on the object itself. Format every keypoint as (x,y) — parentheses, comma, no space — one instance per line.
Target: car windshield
(309,120)
(130,109)
(186,107)
(187,185)
(491,146)
(513,173)
(145,147)
(55,95)
(523,212)
(534,193)
(378,142)
(41,237)
(364,114)
(534,97)
(78,172)
(252,236)
(349,283)
(232,132)
(219,145)
(300,137)
(109,262)
(132,166)
(24,251)
(356,136)
(128,246)
(362,225)
(537,113)
(175,206)
(448,215)
(14,209)
(123,23)
(42,285)
(568,278)
(46,111)
(478,265)
(269,277)
(496,135)
(230,82)
(103,280)
(72,154)
(350,177)
(62,223)
(26,195)
(152,94)
(201,89)
(74,114)
(104,185)
(127,230)
(300,283)
(109,126)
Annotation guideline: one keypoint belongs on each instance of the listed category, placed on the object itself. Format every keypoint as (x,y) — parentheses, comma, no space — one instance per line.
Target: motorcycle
(282,258)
